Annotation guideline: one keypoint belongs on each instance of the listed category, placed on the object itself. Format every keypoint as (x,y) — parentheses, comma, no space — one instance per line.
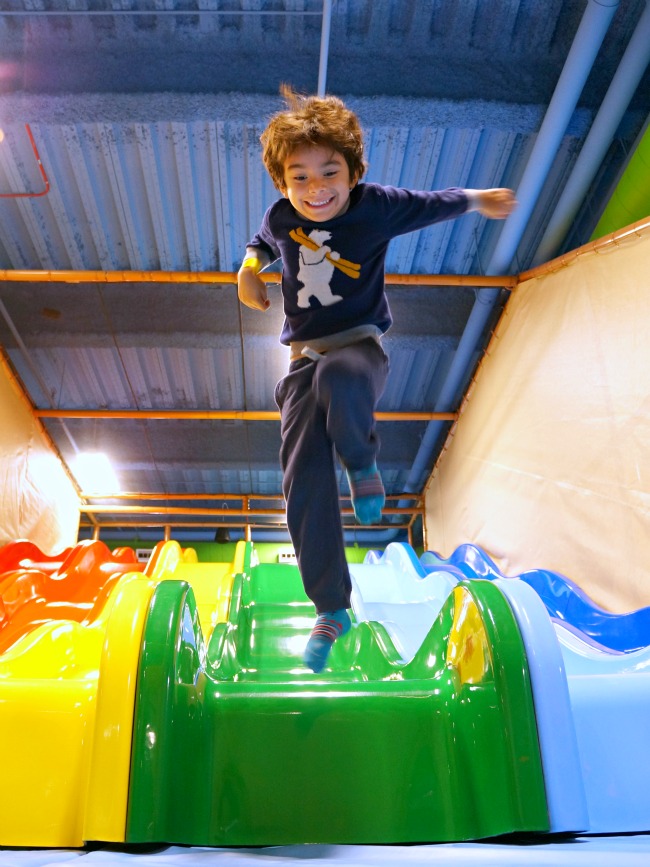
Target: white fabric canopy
(549,463)
(37,499)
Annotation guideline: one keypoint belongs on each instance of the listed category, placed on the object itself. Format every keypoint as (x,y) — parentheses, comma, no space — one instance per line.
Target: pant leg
(311,491)
(348,383)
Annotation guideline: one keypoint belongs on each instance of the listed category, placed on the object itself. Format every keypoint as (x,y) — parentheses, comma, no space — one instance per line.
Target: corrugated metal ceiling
(154,164)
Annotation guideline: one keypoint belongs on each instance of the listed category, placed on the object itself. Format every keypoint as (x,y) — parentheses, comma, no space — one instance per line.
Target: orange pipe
(218,414)
(107,525)
(133,495)
(174,510)
(506,281)
(245,498)
(194,510)
(29,276)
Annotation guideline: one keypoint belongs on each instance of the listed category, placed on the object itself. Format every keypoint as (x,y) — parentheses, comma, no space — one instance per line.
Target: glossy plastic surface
(555,724)
(564,600)
(422,728)
(590,690)
(75,589)
(393,589)
(26,555)
(67,691)
(237,743)
(48,688)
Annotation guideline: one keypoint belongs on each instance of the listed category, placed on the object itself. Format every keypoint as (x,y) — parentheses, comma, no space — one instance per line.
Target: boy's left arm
(497,203)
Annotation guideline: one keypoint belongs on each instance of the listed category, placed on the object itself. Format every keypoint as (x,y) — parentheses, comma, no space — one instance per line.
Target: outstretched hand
(497,203)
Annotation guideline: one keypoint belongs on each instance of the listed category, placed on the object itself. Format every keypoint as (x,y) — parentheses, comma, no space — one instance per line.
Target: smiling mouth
(320,204)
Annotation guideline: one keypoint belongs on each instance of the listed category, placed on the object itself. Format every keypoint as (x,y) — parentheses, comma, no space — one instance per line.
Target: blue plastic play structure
(589,669)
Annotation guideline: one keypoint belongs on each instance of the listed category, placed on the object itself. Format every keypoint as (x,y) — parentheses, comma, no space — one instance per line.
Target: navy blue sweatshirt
(333,272)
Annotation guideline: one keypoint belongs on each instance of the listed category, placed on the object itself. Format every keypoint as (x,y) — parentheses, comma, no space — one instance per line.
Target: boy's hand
(252,290)
(497,203)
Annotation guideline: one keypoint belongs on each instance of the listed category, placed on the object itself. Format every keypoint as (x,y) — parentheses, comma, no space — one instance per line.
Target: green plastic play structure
(237,744)
(170,704)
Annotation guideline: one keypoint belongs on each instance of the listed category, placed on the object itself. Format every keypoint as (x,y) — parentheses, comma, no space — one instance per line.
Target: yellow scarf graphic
(350,268)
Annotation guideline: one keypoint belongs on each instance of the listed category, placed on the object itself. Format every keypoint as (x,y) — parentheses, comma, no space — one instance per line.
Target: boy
(332,232)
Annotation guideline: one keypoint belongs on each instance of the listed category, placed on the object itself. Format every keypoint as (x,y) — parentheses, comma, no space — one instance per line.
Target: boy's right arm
(251,289)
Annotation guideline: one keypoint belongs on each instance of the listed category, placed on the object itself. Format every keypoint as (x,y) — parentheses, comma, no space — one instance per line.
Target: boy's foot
(328,627)
(368,495)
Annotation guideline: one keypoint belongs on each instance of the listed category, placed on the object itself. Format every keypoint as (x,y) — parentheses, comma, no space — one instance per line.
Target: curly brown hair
(312,121)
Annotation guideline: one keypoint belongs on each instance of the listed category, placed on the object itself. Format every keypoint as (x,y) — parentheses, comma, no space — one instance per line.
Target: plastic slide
(70,635)
(463,704)
(74,587)
(564,601)
(235,743)
(26,555)
(590,671)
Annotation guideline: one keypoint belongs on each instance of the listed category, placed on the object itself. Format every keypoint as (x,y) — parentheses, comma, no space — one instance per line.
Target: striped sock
(328,627)
(368,496)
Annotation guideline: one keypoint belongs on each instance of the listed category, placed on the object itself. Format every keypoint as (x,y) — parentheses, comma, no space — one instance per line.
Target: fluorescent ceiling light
(94,473)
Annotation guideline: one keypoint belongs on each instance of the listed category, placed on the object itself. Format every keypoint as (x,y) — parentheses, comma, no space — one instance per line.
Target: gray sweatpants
(327,408)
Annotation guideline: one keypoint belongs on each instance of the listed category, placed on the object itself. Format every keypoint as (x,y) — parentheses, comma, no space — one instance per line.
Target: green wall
(630,201)
(224,552)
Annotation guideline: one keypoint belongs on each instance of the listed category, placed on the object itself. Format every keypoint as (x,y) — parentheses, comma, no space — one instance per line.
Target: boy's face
(317,182)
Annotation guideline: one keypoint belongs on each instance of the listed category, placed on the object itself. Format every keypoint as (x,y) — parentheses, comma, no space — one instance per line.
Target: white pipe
(132,13)
(579,63)
(580,60)
(618,97)
(324,47)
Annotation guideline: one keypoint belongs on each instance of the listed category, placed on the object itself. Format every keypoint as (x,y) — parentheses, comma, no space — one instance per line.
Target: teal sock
(367,492)
(329,626)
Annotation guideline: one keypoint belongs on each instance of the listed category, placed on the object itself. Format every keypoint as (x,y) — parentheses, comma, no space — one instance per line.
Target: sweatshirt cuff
(472,200)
